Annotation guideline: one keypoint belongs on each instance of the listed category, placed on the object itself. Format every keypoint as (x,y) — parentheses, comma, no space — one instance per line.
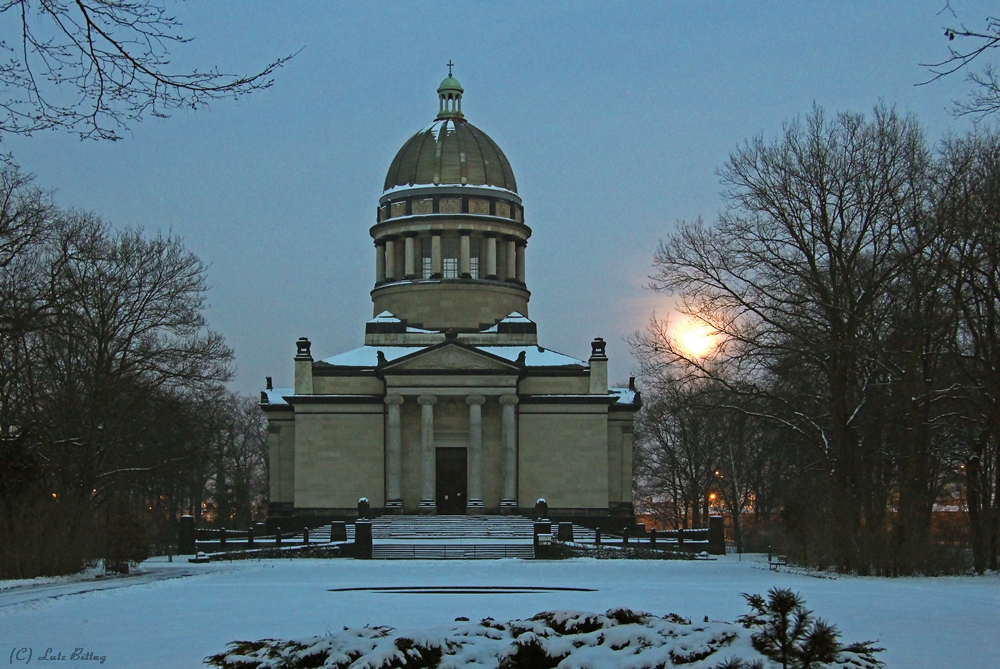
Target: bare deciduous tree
(95,66)
(796,271)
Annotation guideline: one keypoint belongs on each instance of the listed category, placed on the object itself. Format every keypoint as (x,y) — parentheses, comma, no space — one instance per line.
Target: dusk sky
(615,118)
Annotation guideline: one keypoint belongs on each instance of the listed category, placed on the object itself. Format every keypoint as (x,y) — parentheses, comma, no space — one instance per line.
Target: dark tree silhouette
(94,67)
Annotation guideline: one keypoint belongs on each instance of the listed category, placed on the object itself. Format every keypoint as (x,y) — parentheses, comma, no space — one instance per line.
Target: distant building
(451,406)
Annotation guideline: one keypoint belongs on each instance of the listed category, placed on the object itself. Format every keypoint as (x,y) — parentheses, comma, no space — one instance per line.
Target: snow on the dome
(407,187)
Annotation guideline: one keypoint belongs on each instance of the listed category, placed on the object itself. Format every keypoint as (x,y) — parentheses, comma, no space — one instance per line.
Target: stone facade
(450,407)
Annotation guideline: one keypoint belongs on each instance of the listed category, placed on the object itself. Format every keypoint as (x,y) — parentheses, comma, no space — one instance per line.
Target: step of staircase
(466,527)
(443,551)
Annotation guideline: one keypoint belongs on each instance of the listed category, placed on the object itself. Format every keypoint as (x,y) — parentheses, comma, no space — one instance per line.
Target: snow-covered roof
(367,356)
(512,317)
(534,356)
(625,395)
(277,395)
(385,317)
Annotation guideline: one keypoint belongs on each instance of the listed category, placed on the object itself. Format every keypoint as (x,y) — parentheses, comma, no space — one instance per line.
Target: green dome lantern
(450,96)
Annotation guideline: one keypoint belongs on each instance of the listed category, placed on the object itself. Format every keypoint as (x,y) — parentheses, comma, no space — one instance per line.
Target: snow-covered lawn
(166,618)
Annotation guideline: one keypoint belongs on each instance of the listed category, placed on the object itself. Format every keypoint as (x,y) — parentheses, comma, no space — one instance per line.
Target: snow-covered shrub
(620,638)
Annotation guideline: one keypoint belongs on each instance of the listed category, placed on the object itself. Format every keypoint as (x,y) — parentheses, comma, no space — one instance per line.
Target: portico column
(410,262)
(427,481)
(379,262)
(390,259)
(393,454)
(511,260)
(491,257)
(475,461)
(508,465)
(464,269)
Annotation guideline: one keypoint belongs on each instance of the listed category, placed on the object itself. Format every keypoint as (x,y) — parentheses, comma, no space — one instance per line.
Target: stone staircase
(451,537)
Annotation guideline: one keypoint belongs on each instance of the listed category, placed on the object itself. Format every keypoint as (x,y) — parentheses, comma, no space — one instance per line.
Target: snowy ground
(175,614)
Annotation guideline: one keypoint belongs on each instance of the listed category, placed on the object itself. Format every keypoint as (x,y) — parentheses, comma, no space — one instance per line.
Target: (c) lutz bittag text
(26,655)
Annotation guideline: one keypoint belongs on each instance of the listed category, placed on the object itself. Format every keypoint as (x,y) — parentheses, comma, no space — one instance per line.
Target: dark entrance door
(451,481)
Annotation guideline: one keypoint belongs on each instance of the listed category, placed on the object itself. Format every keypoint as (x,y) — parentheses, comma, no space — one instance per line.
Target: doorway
(451,481)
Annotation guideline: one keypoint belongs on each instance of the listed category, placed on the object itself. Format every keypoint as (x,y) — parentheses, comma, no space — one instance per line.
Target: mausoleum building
(451,406)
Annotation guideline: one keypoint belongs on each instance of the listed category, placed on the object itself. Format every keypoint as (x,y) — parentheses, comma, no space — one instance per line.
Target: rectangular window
(449,257)
(425,258)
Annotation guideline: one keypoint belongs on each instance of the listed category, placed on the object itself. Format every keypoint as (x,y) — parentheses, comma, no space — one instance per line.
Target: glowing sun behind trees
(693,339)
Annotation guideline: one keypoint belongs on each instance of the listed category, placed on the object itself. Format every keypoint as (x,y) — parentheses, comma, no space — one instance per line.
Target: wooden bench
(777,561)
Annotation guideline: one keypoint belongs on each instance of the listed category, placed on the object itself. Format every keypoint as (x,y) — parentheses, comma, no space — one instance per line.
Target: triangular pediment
(451,358)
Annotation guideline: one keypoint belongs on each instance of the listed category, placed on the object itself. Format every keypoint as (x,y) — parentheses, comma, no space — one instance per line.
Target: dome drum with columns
(451,406)
(450,237)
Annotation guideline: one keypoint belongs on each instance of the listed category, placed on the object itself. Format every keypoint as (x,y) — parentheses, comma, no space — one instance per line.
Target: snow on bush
(617,639)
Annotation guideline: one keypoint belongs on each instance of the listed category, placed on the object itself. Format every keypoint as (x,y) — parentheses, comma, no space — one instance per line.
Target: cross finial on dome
(450,65)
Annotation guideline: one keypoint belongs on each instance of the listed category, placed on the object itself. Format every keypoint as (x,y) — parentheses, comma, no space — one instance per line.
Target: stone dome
(451,151)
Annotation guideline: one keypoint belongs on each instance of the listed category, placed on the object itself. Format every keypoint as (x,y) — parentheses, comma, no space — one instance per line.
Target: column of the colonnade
(511,260)
(427,464)
(379,262)
(508,464)
(491,257)
(437,266)
(393,456)
(464,257)
(390,259)
(475,460)
(410,257)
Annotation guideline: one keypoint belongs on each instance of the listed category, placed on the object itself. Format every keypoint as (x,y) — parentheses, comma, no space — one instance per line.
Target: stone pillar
(427,464)
(390,259)
(491,257)
(508,464)
(410,261)
(303,367)
(379,263)
(520,262)
(475,505)
(464,269)
(393,456)
(511,260)
(436,266)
